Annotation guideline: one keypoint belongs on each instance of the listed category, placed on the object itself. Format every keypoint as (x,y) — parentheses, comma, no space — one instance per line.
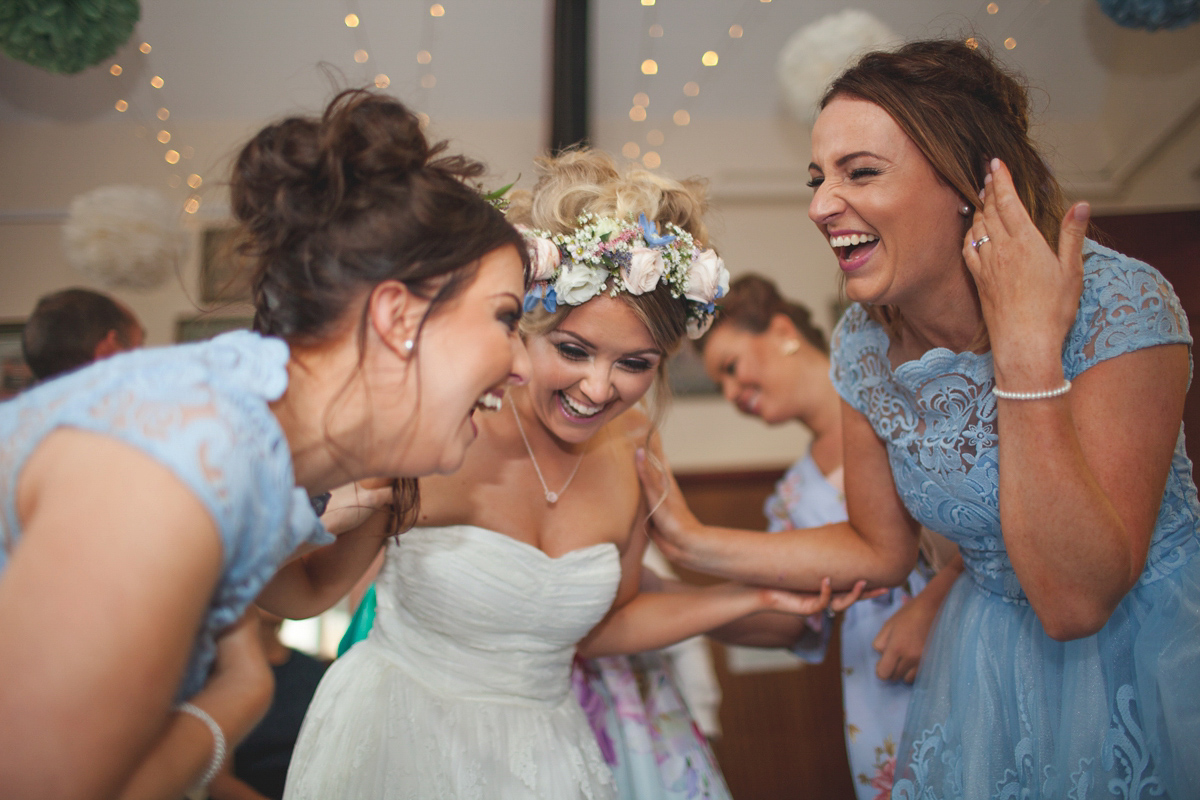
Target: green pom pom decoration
(66,36)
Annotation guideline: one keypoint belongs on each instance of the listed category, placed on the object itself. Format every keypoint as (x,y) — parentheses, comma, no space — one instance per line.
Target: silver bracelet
(218,755)
(1042,395)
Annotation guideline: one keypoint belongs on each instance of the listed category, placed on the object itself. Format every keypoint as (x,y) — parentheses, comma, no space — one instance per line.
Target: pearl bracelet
(218,756)
(1042,395)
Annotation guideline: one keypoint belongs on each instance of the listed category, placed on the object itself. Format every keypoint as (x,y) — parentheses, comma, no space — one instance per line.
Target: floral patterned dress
(1000,709)
(646,733)
(875,709)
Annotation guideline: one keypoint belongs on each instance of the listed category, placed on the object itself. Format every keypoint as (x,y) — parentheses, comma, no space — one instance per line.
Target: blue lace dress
(1001,710)
(201,410)
(874,709)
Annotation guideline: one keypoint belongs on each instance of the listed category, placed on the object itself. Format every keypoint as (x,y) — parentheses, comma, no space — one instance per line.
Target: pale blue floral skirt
(1001,710)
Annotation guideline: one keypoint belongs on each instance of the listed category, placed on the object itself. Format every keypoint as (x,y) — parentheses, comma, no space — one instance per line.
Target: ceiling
(1110,97)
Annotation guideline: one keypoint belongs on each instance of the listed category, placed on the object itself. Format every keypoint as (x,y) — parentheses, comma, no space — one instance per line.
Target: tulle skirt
(1001,710)
(373,731)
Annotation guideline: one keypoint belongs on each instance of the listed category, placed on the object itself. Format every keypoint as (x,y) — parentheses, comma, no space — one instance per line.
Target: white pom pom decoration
(126,237)
(818,52)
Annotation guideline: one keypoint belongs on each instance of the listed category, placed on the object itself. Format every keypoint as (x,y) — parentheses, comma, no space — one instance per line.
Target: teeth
(578,410)
(490,402)
(851,239)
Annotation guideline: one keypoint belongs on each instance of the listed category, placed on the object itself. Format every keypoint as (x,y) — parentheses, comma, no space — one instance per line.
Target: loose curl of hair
(586,180)
(329,207)
(753,301)
(961,108)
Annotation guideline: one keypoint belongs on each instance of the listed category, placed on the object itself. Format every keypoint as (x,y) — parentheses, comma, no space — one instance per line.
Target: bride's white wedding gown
(462,690)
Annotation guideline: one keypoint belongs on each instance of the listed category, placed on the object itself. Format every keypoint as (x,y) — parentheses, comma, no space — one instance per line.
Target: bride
(532,551)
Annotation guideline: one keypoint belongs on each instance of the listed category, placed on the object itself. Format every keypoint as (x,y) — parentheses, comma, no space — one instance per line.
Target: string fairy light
(163,136)
(709,59)
(424,79)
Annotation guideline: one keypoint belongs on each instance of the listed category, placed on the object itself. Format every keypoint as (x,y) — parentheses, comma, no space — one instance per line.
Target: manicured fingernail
(987,179)
(1083,211)
(983,191)
(995,165)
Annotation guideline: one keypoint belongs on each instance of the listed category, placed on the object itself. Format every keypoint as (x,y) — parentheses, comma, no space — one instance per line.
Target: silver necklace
(551,497)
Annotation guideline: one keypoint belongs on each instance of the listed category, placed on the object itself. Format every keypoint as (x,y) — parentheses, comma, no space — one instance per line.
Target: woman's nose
(596,384)
(519,373)
(825,203)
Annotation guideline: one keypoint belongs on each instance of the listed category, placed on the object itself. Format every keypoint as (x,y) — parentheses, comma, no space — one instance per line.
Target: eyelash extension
(861,172)
(511,319)
(571,351)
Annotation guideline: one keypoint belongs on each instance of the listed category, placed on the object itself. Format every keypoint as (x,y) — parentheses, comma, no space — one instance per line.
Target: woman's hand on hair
(1028,293)
(353,504)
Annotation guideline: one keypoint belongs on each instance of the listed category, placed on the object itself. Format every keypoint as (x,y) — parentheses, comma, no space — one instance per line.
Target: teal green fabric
(360,623)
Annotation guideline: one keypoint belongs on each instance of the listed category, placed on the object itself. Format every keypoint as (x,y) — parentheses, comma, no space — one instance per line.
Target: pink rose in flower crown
(544,257)
(645,269)
(707,278)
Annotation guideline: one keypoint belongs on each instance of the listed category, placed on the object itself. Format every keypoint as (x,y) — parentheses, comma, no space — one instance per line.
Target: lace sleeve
(1126,305)
(856,351)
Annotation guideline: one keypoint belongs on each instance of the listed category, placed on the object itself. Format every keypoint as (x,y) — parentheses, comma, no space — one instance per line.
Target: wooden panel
(782,730)
(1169,242)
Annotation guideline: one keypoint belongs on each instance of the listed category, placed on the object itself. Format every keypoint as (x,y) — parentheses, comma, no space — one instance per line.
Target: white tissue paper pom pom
(818,52)
(123,236)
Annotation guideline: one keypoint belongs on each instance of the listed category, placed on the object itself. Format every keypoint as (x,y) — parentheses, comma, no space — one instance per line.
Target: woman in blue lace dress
(772,362)
(145,501)
(1022,390)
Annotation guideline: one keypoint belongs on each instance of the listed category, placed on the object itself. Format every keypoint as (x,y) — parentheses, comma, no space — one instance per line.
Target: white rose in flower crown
(644,271)
(707,278)
(606,225)
(579,283)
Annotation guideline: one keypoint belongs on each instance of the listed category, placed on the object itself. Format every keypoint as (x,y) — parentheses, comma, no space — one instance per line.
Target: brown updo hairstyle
(751,304)
(329,207)
(962,109)
(586,180)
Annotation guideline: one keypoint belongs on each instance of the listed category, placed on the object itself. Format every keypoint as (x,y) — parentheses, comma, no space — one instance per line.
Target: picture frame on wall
(224,276)
(206,326)
(15,374)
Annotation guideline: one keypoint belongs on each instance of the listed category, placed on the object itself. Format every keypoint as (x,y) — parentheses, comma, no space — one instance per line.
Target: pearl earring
(790,347)
(965,210)
(408,345)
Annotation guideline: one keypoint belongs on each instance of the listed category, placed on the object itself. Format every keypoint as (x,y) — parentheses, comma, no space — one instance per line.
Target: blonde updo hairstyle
(586,180)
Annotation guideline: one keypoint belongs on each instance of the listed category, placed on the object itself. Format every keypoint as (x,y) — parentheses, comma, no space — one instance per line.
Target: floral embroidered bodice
(937,416)
(202,411)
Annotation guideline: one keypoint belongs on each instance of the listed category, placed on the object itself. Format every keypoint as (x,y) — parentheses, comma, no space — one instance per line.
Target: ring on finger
(980,242)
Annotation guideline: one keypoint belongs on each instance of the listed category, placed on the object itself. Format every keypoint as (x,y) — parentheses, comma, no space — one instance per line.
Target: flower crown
(606,254)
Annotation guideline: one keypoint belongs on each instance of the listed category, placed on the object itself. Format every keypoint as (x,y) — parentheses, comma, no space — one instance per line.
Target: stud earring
(965,210)
(408,345)
(790,347)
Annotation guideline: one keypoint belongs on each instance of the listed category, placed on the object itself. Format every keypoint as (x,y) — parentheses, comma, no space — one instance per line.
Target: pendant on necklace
(551,497)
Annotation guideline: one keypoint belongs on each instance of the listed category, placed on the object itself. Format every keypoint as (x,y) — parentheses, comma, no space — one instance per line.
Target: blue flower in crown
(545,293)
(650,233)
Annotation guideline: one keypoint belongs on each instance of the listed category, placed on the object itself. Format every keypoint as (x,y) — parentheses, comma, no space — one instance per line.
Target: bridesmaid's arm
(878,544)
(99,605)
(657,619)
(312,583)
